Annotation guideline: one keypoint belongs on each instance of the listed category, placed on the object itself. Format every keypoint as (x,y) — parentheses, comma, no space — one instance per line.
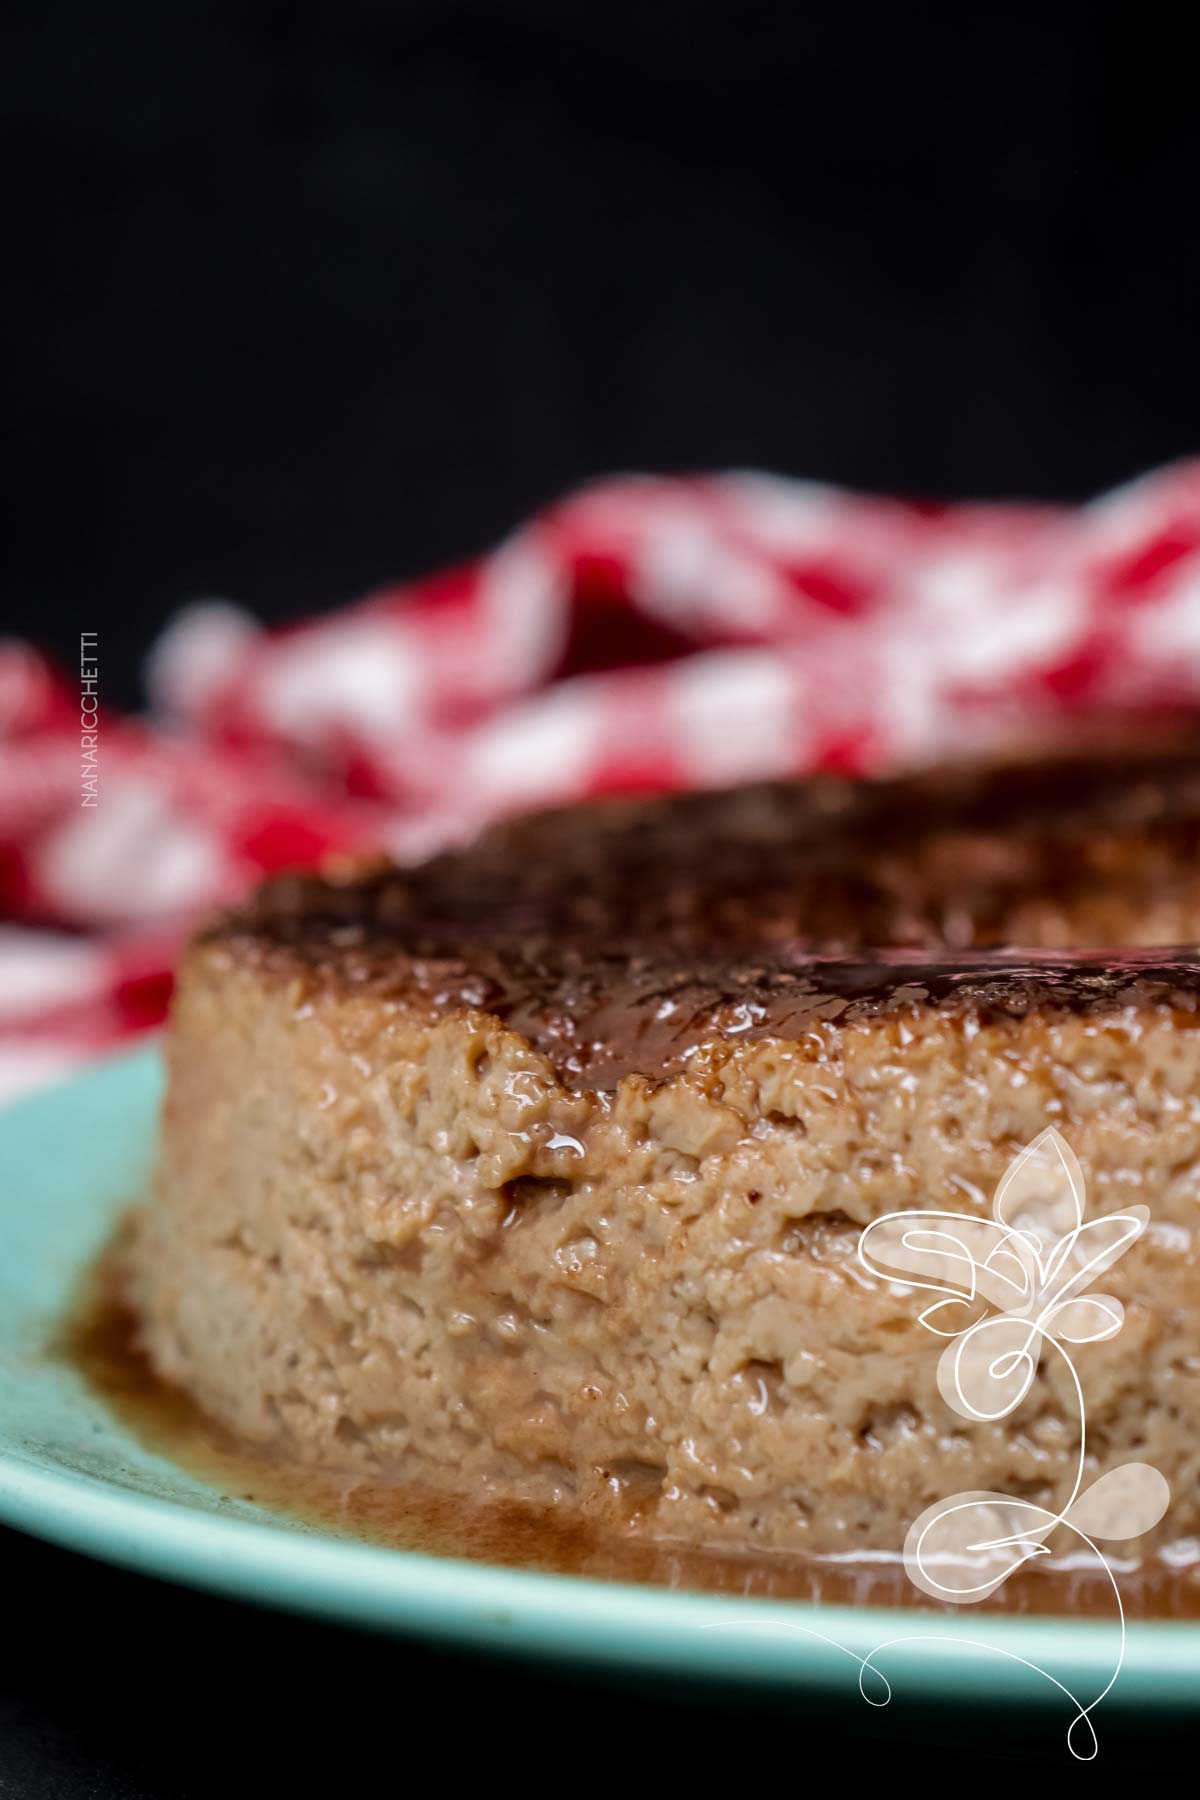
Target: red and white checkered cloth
(646,632)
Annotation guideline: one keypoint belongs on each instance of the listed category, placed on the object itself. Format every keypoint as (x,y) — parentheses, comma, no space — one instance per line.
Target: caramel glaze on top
(617,936)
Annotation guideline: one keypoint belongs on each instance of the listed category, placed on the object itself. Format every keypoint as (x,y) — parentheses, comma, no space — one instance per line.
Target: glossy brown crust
(617,937)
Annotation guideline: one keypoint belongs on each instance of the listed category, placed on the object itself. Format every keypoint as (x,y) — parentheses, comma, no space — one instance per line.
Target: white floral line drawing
(1032,1261)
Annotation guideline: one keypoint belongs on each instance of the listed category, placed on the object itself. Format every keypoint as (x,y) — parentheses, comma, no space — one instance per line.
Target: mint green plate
(70,1160)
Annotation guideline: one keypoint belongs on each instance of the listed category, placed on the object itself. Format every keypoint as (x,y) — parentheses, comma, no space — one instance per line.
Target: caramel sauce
(618,937)
(100,1342)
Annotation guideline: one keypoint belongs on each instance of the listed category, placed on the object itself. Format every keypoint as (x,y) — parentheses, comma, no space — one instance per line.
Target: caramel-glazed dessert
(537,1172)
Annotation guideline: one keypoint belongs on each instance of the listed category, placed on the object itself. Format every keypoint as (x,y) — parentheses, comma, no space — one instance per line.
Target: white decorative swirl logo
(1010,1290)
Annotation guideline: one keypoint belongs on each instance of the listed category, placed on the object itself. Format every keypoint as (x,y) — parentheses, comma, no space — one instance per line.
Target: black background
(301,298)
(298,299)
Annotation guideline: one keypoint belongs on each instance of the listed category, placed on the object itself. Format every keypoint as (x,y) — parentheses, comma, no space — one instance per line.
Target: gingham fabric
(647,632)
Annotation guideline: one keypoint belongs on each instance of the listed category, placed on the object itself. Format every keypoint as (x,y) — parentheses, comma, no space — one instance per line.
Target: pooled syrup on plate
(100,1343)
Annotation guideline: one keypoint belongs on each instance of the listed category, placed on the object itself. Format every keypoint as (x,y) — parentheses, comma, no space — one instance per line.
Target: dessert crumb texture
(538,1171)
